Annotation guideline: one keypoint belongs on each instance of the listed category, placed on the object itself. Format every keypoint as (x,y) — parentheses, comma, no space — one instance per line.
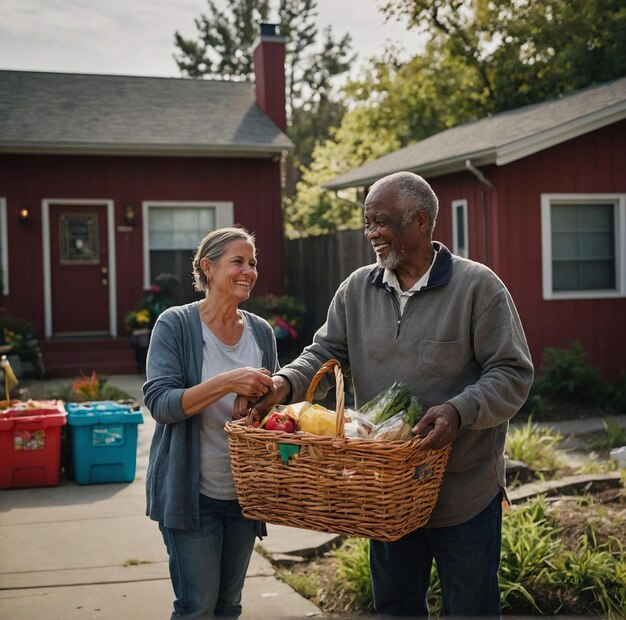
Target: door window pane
(79,239)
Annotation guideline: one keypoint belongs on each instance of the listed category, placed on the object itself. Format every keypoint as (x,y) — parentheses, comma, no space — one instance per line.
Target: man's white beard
(391,261)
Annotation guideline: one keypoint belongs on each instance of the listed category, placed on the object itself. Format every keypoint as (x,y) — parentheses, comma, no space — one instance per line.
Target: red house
(538,194)
(107,181)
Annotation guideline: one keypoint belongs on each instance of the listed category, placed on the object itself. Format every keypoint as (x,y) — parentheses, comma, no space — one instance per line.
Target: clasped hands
(258,404)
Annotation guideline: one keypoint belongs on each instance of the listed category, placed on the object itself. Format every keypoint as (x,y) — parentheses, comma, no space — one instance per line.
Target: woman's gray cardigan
(174,364)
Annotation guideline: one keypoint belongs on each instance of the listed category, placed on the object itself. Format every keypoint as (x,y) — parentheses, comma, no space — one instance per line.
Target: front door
(79,269)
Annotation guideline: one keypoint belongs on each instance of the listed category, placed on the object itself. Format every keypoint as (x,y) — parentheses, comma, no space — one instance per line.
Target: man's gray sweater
(459,341)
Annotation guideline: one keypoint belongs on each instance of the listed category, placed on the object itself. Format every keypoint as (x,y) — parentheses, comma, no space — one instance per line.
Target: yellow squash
(317,420)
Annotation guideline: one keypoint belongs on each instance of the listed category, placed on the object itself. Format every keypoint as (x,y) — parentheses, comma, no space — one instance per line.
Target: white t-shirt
(216,479)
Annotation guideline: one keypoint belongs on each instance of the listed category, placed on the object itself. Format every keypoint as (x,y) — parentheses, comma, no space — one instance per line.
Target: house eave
(152,150)
(535,143)
(500,154)
(430,170)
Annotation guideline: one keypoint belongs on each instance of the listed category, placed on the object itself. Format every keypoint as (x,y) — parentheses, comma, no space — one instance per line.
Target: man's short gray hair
(414,195)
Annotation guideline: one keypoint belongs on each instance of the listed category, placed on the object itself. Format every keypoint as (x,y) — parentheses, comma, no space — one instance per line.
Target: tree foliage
(314,60)
(223,49)
(481,57)
(524,51)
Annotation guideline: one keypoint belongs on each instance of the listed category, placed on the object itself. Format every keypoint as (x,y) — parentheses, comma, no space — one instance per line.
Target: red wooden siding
(593,163)
(252,185)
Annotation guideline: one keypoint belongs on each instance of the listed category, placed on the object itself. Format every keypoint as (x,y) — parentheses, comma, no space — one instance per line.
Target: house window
(172,231)
(4,249)
(584,245)
(460,243)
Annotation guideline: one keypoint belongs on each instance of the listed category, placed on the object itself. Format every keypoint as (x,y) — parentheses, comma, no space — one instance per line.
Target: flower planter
(139,340)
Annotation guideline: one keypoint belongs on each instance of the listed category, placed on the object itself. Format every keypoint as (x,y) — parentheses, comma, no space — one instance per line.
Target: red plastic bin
(30,444)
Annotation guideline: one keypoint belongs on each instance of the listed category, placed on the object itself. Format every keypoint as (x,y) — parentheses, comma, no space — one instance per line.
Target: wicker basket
(359,487)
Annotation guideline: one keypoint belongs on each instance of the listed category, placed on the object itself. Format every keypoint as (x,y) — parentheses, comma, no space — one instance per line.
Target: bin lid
(33,408)
(103,412)
(32,418)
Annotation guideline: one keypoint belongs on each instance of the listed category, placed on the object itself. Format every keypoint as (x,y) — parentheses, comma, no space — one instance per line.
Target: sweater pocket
(441,359)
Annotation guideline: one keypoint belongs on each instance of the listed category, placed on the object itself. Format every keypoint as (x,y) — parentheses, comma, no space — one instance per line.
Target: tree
(482,56)
(223,50)
(316,211)
(524,51)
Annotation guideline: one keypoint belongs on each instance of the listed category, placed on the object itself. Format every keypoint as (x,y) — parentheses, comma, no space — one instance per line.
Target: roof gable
(501,138)
(65,112)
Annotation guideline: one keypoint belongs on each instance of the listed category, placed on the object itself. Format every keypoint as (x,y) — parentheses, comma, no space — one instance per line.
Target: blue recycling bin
(102,438)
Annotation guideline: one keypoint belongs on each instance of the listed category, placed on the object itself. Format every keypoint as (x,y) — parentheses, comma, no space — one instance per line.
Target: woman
(201,357)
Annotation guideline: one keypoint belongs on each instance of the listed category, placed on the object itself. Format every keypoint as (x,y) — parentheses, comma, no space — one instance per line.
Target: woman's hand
(251,382)
(247,382)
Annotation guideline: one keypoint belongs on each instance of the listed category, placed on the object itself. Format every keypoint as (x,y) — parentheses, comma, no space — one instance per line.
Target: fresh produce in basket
(280,418)
(393,413)
(357,425)
(318,420)
(398,427)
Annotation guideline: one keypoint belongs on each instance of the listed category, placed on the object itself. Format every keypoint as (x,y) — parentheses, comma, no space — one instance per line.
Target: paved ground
(89,551)
(73,551)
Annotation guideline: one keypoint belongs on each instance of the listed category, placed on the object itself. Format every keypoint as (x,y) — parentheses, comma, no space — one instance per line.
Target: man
(448,328)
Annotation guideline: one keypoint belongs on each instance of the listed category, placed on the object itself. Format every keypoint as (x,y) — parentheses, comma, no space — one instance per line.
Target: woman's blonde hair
(212,247)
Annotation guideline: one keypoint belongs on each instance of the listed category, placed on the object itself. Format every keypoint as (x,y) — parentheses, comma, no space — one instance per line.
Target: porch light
(23,216)
(129,215)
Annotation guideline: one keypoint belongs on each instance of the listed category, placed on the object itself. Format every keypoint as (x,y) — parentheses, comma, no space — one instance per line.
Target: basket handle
(326,367)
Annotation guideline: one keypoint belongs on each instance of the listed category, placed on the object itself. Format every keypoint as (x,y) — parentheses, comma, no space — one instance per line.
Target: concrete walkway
(89,551)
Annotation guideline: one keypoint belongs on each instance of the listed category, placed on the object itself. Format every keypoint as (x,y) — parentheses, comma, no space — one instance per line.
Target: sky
(136,37)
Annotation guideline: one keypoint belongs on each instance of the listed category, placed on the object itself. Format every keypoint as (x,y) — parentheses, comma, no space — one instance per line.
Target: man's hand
(281,388)
(444,421)
(281,391)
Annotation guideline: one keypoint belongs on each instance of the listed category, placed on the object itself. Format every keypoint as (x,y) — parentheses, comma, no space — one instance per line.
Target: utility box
(30,443)
(102,441)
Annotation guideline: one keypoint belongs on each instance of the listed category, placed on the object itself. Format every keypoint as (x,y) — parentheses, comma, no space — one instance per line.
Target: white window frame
(224,216)
(462,204)
(619,214)
(4,240)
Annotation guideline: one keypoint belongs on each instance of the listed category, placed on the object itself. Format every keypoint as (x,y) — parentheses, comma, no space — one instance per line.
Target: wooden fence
(316,266)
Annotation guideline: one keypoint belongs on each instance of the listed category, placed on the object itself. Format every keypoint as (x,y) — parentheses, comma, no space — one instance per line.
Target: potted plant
(140,320)
(284,313)
(19,343)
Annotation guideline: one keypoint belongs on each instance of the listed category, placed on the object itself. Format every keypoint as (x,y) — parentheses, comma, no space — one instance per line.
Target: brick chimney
(269,73)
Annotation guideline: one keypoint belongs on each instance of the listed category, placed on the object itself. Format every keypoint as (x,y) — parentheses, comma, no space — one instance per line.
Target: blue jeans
(208,565)
(467,557)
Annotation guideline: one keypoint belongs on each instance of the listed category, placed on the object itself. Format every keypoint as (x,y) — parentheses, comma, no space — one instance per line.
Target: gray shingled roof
(79,113)
(501,138)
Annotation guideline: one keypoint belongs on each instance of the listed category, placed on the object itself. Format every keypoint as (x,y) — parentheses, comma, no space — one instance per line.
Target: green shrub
(536,406)
(539,574)
(568,375)
(597,572)
(529,543)
(534,446)
(354,572)
(619,393)
(614,436)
